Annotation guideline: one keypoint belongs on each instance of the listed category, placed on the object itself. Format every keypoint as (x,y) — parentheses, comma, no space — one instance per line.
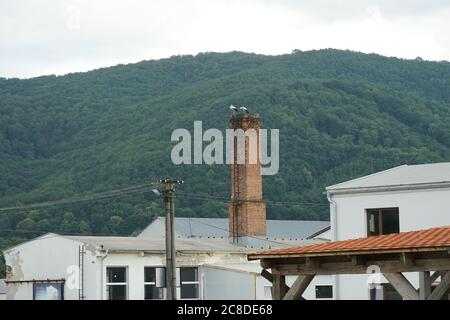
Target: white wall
(135,263)
(229,284)
(418,209)
(310,292)
(44,258)
(50,256)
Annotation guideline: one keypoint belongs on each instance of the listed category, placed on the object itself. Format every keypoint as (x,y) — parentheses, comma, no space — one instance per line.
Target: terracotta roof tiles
(429,238)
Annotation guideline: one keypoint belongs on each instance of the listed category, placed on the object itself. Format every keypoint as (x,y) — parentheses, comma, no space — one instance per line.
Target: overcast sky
(59,36)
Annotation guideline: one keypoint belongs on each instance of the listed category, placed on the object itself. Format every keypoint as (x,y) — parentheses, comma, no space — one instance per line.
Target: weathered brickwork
(247,209)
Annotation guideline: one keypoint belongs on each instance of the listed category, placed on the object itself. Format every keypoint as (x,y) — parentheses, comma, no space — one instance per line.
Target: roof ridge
(428,164)
(367,176)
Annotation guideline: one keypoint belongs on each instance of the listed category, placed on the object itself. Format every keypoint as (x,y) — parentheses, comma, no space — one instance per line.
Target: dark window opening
(117,274)
(324,292)
(382,221)
(117,292)
(189,283)
(154,282)
(116,285)
(384,291)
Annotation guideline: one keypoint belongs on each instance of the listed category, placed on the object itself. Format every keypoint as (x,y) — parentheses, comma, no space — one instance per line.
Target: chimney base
(249,242)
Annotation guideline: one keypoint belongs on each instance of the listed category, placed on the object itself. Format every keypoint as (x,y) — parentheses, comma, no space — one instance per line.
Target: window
(267,292)
(48,291)
(154,282)
(189,284)
(384,291)
(382,221)
(324,292)
(116,283)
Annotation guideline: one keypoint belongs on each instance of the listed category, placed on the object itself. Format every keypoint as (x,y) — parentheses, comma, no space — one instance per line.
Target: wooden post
(299,286)
(435,276)
(402,285)
(424,285)
(278,286)
(442,288)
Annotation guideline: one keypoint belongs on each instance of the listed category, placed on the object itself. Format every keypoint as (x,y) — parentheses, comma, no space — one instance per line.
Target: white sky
(61,36)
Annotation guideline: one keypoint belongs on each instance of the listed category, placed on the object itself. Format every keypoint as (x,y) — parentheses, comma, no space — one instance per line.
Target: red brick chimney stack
(247,209)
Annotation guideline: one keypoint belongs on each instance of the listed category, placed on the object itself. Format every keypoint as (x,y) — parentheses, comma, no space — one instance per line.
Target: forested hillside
(341,115)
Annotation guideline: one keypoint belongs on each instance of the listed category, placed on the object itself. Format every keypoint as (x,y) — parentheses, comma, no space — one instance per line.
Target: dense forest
(341,114)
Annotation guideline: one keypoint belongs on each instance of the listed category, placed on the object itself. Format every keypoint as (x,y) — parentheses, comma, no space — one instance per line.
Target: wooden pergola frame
(391,263)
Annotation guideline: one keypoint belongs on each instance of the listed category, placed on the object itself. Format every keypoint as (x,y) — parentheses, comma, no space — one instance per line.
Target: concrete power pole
(168,193)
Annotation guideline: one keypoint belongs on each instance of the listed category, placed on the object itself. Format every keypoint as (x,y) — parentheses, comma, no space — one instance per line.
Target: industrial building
(286,259)
(211,254)
(89,267)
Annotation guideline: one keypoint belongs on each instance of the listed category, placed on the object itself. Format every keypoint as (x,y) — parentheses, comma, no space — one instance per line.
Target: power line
(66,234)
(144,188)
(78,199)
(268,202)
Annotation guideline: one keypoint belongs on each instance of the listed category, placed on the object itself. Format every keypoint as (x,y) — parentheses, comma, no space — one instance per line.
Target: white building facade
(101,268)
(404,198)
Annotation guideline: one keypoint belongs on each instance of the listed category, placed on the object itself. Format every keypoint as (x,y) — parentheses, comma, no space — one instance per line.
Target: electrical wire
(134,190)
(270,203)
(65,234)
(98,196)
(139,189)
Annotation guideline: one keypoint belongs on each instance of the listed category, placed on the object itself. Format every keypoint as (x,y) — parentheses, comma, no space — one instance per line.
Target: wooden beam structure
(424,285)
(299,286)
(391,264)
(386,266)
(269,277)
(278,286)
(402,285)
(422,251)
(435,276)
(442,288)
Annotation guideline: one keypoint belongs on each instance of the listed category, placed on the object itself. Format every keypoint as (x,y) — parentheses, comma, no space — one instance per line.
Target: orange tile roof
(412,240)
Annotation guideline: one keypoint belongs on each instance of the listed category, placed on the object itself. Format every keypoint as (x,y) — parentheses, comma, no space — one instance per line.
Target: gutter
(334,232)
(400,187)
(101,273)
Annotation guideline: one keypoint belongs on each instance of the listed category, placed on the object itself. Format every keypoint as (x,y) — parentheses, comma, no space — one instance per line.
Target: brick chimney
(247,209)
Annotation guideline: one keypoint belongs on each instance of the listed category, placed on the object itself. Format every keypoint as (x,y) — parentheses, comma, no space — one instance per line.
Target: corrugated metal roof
(405,175)
(429,238)
(218,227)
(182,244)
(147,244)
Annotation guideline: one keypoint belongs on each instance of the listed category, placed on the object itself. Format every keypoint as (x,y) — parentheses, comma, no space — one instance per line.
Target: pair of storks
(235,109)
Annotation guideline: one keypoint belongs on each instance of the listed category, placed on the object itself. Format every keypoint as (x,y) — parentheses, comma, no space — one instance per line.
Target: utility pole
(168,194)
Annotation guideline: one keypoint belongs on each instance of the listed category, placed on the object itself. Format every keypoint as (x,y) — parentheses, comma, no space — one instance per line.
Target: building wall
(47,258)
(229,284)
(135,263)
(418,209)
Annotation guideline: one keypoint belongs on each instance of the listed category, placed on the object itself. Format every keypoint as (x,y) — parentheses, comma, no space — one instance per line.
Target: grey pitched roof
(218,227)
(204,244)
(157,244)
(423,175)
